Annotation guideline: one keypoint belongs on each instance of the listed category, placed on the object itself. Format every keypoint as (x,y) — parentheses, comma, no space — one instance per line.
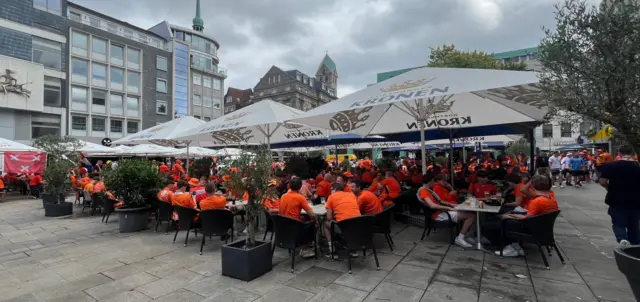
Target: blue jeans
(626,224)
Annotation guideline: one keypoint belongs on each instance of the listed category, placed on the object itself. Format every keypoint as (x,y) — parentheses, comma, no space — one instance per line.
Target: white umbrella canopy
(89,148)
(196,152)
(264,122)
(160,134)
(150,150)
(478,139)
(228,152)
(430,98)
(11,146)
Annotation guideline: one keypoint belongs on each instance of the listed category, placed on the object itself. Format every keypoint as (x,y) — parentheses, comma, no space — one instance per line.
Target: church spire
(198,23)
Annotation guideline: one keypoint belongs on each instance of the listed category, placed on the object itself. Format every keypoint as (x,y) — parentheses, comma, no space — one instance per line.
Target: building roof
(239,95)
(197,20)
(515,53)
(317,85)
(383,76)
(327,61)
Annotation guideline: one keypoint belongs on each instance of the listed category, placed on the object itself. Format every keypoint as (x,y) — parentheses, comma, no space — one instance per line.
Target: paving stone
(555,291)
(128,296)
(424,258)
(610,290)
(365,280)
(75,297)
(338,293)
(507,273)
(182,295)
(459,275)
(491,291)
(391,292)
(161,287)
(267,282)
(409,275)
(441,292)
(231,294)
(285,294)
(125,284)
(209,286)
(64,289)
(136,267)
(313,279)
(457,255)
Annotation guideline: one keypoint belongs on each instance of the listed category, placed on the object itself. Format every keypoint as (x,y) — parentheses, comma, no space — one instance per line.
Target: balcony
(221,72)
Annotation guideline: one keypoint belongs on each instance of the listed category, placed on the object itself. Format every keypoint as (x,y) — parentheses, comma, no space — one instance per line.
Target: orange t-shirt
(369,203)
(541,205)
(74,181)
(374,185)
(347,187)
(367,177)
(164,169)
(184,200)
(292,203)
(272,203)
(416,178)
(84,182)
(35,181)
(323,188)
(344,205)
(1,184)
(444,194)
(479,190)
(395,190)
(525,199)
(165,195)
(214,202)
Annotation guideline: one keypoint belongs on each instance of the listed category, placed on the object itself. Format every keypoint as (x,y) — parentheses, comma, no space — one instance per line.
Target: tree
(62,156)
(449,56)
(590,65)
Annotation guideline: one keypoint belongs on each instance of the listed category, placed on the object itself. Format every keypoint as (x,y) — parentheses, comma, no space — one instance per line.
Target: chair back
(165,210)
(426,210)
(185,216)
(216,222)
(269,227)
(383,220)
(97,201)
(541,227)
(108,205)
(357,232)
(287,230)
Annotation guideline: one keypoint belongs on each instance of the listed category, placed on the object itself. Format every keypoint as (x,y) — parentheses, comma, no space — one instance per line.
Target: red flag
(24,162)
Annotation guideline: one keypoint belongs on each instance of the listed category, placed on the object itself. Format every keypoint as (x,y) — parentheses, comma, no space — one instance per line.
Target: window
(116,126)
(98,75)
(132,127)
(79,71)
(133,58)
(207,81)
(52,6)
(98,101)
(207,119)
(274,90)
(44,124)
(228,99)
(98,49)
(547,130)
(197,100)
(133,82)
(133,107)
(115,104)
(78,98)
(216,103)
(197,79)
(161,107)
(116,55)
(117,78)
(98,124)
(299,77)
(207,101)
(162,63)
(79,43)
(216,84)
(197,116)
(161,85)
(565,130)
(179,36)
(47,53)
(79,123)
(52,96)
(73,15)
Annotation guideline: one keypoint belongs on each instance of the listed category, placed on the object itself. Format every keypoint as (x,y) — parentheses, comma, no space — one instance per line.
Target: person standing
(555,162)
(576,164)
(566,172)
(621,179)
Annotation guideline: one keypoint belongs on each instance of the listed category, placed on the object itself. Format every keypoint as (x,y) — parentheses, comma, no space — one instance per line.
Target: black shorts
(577,173)
(555,172)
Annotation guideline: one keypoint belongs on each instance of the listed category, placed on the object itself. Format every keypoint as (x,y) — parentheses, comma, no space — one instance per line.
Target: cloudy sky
(363,37)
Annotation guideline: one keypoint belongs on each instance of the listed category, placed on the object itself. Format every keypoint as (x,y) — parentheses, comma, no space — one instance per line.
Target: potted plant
(61,156)
(132,183)
(628,260)
(249,258)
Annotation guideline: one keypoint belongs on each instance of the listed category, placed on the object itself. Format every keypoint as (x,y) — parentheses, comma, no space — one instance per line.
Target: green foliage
(590,65)
(201,167)
(298,166)
(517,147)
(385,164)
(61,157)
(133,181)
(443,161)
(449,56)
(251,173)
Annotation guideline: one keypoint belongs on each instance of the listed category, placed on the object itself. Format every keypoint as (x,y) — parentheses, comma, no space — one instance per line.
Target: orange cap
(194,182)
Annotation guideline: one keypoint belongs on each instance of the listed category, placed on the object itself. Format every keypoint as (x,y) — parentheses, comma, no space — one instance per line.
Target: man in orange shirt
(182,198)
(602,158)
(375,188)
(291,205)
(340,180)
(164,169)
(341,205)
(272,203)
(444,190)
(391,190)
(166,194)
(36,185)
(195,186)
(213,201)
(368,202)
(2,189)
(323,189)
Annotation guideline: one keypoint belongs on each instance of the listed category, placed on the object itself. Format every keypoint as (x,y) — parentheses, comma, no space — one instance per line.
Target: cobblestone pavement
(82,259)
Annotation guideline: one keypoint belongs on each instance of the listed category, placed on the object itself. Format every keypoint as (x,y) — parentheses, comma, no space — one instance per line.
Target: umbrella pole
(423,152)
(187,168)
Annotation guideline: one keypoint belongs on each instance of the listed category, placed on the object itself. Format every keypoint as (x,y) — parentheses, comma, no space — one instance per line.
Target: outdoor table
(238,203)
(485,209)
(320,211)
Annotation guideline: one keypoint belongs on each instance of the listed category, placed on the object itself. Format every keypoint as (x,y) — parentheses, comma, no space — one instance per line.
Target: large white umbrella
(193,151)
(11,146)
(264,122)
(160,134)
(89,148)
(430,98)
(150,150)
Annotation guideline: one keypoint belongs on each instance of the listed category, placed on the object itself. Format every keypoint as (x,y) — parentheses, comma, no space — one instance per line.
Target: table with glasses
(469,207)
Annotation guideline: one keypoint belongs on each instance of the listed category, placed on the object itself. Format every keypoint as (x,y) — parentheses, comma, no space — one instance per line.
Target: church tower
(198,23)
(328,73)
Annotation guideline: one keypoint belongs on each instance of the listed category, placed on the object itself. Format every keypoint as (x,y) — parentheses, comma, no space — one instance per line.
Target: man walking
(555,162)
(621,179)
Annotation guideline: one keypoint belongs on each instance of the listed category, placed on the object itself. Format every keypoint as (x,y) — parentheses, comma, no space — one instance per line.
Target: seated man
(368,202)
(291,205)
(482,188)
(35,184)
(391,190)
(323,189)
(443,189)
(214,200)
(341,205)
(433,201)
(543,203)
(182,198)
(271,202)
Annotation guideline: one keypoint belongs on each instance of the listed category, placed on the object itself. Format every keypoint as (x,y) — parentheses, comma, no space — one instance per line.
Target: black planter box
(58,209)
(628,260)
(133,220)
(246,264)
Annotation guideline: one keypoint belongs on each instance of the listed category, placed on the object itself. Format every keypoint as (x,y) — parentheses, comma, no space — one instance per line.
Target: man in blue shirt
(577,165)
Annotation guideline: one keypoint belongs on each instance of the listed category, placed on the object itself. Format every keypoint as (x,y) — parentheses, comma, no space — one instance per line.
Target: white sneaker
(561,186)
(624,243)
(518,248)
(508,251)
(307,253)
(462,243)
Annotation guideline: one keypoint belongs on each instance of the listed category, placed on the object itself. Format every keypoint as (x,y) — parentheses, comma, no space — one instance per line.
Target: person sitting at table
(182,198)
(542,203)
(35,184)
(391,190)
(433,201)
(368,202)
(323,189)
(522,192)
(306,189)
(291,205)
(214,200)
(196,186)
(444,190)
(375,184)
(482,188)
(166,194)
(340,180)
(341,205)
(272,202)
(367,178)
